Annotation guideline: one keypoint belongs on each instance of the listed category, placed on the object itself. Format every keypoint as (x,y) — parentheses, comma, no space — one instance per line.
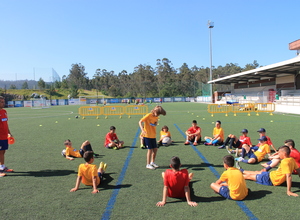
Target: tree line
(163,80)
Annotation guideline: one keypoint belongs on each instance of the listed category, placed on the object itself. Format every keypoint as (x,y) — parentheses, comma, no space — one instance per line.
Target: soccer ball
(166,141)
(76,116)
(63,152)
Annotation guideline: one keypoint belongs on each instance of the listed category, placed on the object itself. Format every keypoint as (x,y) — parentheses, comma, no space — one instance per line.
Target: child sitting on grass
(70,152)
(193,134)
(231,184)
(279,176)
(88,173)
(218,135)
(111,139)
(165,137)
(256,156)
(176,183)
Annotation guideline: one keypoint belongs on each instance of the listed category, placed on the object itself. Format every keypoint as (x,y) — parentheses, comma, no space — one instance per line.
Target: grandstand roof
(284,68)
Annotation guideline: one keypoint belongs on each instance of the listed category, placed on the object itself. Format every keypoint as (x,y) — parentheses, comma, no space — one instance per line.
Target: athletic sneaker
(101,165)
(186,143)
(239,159)
(149,166)
(115,148)
(229,150)
(195,143)
(154,164)
(104,167)
(221,147)
(6,170)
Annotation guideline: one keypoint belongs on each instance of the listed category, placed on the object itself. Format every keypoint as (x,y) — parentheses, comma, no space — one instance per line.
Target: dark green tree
(12,86)
(78,76)
(41,84)
(25,85)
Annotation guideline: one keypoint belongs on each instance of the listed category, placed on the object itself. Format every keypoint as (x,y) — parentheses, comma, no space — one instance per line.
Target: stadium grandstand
(278,83)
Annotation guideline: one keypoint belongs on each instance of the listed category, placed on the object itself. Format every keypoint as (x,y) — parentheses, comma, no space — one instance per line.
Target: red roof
(295,45)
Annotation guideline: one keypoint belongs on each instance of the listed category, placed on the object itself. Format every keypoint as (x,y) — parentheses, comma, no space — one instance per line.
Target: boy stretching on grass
(231,184)
(88,173)
(275,160)
(71,152)
(176,183)
(279,176)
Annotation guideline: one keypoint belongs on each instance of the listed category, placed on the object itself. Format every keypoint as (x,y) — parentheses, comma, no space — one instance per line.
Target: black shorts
(238,144)
(86,148)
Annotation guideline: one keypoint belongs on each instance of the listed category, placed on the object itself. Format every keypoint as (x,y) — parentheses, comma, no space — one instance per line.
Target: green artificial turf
(39,187)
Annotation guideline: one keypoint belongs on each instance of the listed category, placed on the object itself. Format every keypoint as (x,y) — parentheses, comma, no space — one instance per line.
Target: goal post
(91,100)
(40,103)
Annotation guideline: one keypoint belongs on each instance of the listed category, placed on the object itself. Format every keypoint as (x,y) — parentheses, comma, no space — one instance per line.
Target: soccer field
(39,187)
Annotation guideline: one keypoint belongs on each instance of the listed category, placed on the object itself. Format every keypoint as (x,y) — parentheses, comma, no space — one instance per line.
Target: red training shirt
(176,181)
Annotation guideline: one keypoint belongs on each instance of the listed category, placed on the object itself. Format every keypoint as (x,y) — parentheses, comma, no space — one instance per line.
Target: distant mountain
(32,84)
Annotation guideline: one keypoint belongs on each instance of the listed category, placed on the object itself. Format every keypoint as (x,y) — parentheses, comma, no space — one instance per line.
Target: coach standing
(4,132)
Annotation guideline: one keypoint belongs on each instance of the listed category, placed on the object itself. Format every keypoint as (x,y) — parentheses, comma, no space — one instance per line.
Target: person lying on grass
(279,176)
(71,152)
(176,183)
(231,184)
(88,173)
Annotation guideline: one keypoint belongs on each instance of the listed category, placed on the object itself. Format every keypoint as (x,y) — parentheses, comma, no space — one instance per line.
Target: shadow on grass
(253,195)
(294,184)
(194,166)
(104,185)
(203,199)
(44,173)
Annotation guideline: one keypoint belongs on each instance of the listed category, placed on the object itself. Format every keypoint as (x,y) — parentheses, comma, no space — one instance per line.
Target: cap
(244,131)
(261,130)
(263,138)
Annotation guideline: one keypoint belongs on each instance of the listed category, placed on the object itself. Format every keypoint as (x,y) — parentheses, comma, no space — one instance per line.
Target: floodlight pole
(210,25)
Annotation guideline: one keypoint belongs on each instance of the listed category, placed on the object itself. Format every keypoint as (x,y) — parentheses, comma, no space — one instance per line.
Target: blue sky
(37,35)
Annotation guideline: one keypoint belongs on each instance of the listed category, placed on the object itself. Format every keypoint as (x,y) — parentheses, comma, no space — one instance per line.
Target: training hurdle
(89,111)
(264,107)
(112,110)
(136,110)
(241,108)
(219,108)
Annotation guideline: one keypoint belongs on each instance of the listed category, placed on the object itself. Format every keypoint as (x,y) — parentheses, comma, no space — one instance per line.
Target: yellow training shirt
(262,151)
(220,131)
(236,183)
(150,123)
(70,151)
(87,171)
(286,166)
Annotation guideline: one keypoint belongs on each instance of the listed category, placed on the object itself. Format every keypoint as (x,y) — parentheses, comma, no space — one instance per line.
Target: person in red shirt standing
(4,133)
(193,134)
(176,183)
